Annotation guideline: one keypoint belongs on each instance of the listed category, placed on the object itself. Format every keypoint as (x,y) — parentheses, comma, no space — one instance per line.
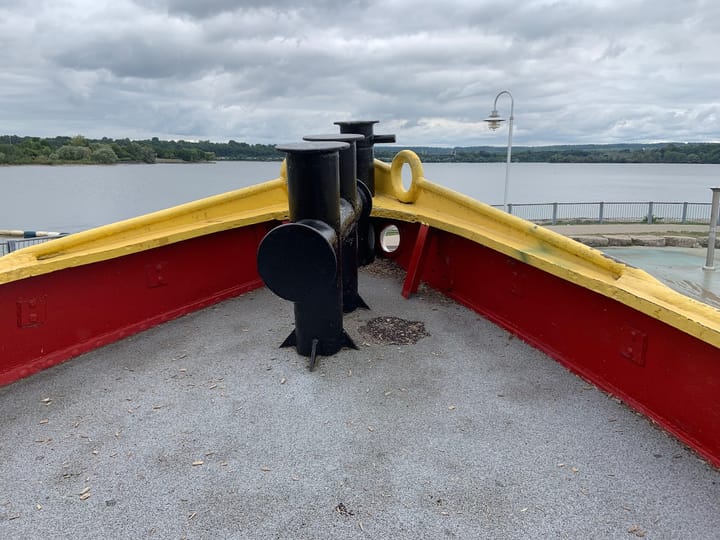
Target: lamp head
(494,120)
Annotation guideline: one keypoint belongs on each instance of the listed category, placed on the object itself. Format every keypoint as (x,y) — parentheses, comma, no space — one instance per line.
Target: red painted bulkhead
(670,376)
(56,316)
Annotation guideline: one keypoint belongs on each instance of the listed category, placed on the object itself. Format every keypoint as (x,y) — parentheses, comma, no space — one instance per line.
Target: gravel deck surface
(204,428)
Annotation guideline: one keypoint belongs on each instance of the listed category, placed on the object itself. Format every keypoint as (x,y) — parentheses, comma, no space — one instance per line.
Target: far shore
(157,162)
(83,163)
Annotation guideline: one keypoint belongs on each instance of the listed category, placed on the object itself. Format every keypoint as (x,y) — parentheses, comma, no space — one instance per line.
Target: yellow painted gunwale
(255,204)
(537,246)
(423,202)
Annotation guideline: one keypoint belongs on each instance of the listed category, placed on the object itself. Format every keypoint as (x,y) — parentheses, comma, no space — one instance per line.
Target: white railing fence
(613,212)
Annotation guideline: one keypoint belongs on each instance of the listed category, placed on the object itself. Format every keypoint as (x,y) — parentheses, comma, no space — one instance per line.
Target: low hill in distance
(586,153)
(15,150)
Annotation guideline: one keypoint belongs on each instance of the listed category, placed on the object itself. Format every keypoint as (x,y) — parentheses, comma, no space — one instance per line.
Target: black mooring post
(355,206)
(366,174)
(365,151)
(299,261)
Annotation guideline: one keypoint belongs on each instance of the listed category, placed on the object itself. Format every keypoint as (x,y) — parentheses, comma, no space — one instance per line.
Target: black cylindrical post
(347,164)
(299,261)
(313,171)
(365,152)
(355,202)
(366,174)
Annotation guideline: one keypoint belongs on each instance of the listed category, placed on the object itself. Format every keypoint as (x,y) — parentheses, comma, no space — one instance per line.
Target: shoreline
(78,164)
(157,162)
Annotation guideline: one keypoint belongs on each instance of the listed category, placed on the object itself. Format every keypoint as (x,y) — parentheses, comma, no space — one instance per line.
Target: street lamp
(494,121)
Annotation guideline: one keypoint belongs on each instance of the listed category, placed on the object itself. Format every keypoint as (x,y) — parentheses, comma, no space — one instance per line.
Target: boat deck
(204,428)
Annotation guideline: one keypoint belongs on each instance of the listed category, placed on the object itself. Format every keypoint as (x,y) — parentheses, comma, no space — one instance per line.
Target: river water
(73,198)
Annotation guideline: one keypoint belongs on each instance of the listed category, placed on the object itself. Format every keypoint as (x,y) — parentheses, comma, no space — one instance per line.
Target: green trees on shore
(16,150)
(592,153)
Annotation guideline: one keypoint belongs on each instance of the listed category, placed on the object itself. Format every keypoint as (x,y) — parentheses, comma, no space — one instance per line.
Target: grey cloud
(213,8)
(132,59)
(272,71)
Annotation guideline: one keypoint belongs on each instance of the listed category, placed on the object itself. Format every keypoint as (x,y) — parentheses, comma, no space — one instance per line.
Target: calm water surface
(679,268)
(73,198)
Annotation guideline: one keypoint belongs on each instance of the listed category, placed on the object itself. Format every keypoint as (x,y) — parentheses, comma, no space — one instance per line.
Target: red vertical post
(412,279)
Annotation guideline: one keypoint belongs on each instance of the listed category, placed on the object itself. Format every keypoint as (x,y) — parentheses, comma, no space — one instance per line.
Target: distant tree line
(619,153)
(212,151)
(78,149)
(16,150)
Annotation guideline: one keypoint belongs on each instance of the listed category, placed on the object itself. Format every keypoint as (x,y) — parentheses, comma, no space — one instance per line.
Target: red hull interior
(670,376)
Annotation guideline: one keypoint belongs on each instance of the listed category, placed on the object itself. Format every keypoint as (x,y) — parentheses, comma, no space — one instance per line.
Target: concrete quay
(637,234)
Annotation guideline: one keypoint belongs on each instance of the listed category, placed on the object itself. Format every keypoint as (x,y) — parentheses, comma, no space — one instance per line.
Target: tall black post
(355,202)
(365,151)
(366,174)
(299,261)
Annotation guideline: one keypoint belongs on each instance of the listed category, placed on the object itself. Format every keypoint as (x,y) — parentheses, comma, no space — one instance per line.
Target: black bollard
(300,261)
(355,208)
(366,174)
(365,151)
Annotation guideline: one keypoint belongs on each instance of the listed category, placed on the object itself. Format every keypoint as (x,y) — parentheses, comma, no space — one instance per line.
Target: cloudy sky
(270,71)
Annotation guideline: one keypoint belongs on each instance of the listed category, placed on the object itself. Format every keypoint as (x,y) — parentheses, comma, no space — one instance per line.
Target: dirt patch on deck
(386,267)
(393,331)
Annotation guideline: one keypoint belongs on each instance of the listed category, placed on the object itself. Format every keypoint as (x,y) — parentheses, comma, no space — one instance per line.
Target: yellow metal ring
(400,159)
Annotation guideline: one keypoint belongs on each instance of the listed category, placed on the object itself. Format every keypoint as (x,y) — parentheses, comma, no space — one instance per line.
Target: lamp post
(494,121)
